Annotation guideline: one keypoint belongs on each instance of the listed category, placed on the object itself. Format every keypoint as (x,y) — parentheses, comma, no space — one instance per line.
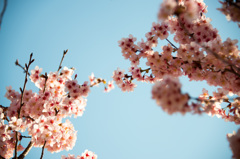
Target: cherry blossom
(200,54)
(234,140)
(86,155)
(197,51)
(168,95)
(231,10)
(42,113)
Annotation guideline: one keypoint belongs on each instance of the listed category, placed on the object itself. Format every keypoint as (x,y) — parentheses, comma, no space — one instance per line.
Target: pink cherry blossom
(85,155)
(168,95)
(234,141)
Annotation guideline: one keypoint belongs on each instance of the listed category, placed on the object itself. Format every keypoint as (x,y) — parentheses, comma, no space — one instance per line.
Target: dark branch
(22,94)
(25,136)
(60,65)
(45,84)
(15,154)
(4,108)
(26,151)
(24,70)
(25,82)
(56,111)
(3,11)
(43,149)
(172,44)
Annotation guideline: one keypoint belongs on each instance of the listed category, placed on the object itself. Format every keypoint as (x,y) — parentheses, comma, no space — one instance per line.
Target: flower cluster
(41,113)
(95,81)
(167,94)
(58,95)
(57,135)
(234,140)
(122,81)
(200,55)
(86,155)
(7,141)
(213,105)
(231,9)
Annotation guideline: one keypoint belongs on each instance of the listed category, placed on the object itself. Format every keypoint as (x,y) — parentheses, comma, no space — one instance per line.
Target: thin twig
(24,70)
(16,136)
(25,136)
(60,65)
(172,44)
(145,70)
(3,11)
(43,149)
(56,111)
(22,94)
(25,82)
(45,84)
(28,117)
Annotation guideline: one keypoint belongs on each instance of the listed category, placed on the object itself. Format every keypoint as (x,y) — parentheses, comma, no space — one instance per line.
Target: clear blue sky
(115,125)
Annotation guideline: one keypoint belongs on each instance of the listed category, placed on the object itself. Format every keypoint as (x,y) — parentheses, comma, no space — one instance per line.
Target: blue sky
(115,125)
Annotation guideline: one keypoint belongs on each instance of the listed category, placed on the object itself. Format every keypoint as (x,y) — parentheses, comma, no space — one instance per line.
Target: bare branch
(24,70)
(3,11)
(43,149)
(25,136)
(25,82)
(172,44)
(15,154)
(45,84)
(60,65)
(22,94)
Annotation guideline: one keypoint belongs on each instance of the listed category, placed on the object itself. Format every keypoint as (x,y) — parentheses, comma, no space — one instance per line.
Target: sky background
(114,125)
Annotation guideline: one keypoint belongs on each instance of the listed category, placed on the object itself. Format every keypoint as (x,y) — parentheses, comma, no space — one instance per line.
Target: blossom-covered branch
(36,112)
(201,55)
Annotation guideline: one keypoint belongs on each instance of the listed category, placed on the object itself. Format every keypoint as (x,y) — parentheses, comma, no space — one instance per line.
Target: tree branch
(26,151)
(4,108)
(25,136)
(60,65)
(1,157)
(17,64)
(15,154)
(22,94)
(212,52)
(43,149)
(3,11)
(172,44)
(25,82)
(45,84)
